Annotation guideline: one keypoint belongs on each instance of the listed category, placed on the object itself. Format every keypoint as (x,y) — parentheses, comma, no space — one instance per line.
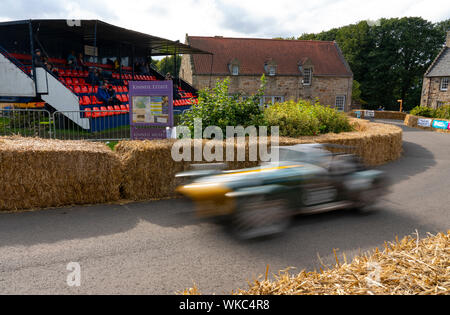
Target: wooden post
(401,105)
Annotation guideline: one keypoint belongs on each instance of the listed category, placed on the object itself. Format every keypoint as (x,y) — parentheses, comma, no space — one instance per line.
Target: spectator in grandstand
(95,77)
(38,58)
(107,95)
(100,76)
(113,100)
(116,65)
(92,78)
(72,60)
(80,62)
(53,70)
(169,77)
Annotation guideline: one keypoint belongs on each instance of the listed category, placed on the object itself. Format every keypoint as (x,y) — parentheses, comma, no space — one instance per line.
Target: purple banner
(151,109)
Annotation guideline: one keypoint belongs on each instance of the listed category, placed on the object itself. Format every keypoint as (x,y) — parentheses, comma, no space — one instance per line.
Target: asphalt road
(158,248)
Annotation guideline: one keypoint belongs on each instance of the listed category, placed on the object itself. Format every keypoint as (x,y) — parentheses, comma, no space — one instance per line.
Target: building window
(235,70)
(272,70)
(307,76)
(340,103)
(233,67)
(444,84)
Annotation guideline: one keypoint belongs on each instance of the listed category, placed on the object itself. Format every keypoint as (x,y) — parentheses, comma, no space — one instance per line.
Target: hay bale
(412,121)
(406,267)
(38,173)
(382,114)
(149,170)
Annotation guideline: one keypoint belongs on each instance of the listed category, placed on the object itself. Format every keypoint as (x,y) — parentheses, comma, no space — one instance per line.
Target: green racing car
(306,179)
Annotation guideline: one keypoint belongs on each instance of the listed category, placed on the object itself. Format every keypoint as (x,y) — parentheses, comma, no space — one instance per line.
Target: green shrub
(217,108)
(306,119)
(443,112)
(423,111)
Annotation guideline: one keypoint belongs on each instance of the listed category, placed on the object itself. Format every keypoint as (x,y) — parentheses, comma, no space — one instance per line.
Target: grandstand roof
(104,34)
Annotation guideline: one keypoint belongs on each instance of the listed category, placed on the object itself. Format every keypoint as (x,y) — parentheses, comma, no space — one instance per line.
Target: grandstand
(68,89)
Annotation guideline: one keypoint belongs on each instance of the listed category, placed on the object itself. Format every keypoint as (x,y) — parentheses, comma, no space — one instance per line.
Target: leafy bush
(217,108)
(423,111)
(306,119)
(442,112)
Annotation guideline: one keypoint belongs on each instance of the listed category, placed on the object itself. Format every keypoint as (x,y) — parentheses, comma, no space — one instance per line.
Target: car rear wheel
(257,217)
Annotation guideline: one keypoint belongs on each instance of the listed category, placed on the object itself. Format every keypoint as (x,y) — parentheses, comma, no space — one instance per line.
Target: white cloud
(172,19)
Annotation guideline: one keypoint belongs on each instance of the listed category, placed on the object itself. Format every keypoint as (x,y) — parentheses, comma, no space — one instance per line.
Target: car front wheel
(257,217)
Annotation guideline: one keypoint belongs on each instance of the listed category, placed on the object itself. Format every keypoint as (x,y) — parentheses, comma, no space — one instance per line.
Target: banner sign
(424,122)
(90,51)
(369,113)
(358,114)
(440,124)
(151,109)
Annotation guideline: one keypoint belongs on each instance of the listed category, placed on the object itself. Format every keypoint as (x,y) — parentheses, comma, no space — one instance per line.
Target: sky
(172,19)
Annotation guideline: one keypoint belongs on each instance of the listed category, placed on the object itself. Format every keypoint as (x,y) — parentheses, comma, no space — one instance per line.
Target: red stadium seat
(117,108)
(95,100)
(120,89)
(84,89)
(104,111)
(68,81)
(89,88)
(123,108)
(95,112)
(110,111)
(87,113)
(125,98)
(86,100)
(77,89)
(125,89)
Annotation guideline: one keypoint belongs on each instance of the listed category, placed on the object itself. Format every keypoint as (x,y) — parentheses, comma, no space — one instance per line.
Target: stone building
(435,91)
(294,69)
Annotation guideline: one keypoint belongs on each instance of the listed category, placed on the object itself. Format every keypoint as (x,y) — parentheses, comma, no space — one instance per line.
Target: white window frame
(235,70)
(272,70)
(307,76)
(338,102)
(444,84)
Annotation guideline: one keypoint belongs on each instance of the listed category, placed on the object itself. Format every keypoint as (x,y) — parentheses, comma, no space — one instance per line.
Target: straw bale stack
(412,121)
(38,173)
(411,266)
(149,170)
(383,114)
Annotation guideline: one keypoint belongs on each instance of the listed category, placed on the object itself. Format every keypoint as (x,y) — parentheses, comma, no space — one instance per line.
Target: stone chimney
(447,42)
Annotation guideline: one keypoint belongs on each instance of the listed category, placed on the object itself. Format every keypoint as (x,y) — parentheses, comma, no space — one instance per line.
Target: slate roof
(441,65)
(253,53)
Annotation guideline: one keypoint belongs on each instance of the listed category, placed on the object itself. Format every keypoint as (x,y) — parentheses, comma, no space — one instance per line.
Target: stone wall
(432,94)
(290,87)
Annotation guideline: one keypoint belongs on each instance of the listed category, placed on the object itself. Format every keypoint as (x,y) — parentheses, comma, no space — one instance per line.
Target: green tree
(167,65)
(388,57)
